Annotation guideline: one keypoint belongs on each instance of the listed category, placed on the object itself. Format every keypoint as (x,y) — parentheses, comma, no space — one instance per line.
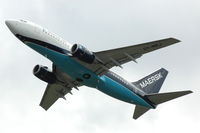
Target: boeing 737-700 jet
(74,66)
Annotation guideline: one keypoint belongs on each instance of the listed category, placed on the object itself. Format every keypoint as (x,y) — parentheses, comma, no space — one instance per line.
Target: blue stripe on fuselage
(66,64)
(116,90)
(102,83)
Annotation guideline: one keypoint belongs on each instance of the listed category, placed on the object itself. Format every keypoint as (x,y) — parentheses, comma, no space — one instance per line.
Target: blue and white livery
(74,66)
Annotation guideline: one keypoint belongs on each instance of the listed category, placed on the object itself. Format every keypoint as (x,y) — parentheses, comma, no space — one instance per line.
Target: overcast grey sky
(101,25)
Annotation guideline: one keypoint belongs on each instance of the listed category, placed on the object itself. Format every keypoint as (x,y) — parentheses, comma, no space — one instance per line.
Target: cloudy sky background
(101,25)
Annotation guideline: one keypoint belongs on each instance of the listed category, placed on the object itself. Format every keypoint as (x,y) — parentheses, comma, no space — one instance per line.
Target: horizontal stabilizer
(164,97)
(158,99)
(139,111)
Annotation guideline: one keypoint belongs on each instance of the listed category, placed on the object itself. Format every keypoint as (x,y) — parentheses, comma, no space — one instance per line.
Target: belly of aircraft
(76,72)
(118,91)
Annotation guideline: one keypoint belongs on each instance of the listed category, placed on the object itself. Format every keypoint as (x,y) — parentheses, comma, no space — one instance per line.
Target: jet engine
(82,53)
(44,74)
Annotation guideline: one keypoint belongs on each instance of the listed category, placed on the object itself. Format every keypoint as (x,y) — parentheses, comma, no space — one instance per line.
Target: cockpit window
(23,21)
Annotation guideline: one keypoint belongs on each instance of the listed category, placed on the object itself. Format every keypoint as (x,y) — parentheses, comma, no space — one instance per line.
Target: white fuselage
(34,31)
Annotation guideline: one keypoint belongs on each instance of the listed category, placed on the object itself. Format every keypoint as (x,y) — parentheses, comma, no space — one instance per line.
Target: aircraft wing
(119,56)
(57,90)
(52,93)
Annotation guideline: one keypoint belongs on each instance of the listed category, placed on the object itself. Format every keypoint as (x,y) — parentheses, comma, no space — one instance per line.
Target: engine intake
(44,74)
(82,53)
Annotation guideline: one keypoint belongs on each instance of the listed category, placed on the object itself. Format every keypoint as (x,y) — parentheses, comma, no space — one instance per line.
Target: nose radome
(7,22)
(12,25)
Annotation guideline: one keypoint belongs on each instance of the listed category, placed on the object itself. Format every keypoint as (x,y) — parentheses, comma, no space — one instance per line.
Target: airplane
(73,66)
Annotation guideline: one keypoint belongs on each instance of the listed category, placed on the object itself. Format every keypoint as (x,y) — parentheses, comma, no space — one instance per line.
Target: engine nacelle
(82,53)
(44,74)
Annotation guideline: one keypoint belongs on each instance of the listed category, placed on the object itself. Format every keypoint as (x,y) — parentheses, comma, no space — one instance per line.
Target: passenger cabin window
(55,37)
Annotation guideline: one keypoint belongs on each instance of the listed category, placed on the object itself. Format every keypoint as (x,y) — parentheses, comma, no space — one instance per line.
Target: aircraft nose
(12,25)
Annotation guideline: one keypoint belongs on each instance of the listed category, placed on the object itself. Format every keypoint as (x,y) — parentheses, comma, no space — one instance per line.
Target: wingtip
(134,118)
(43,107)
(139,111)
(189,91)
(175,40)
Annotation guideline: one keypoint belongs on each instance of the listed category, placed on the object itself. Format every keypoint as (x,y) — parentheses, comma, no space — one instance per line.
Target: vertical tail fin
(153,82)
(151,86)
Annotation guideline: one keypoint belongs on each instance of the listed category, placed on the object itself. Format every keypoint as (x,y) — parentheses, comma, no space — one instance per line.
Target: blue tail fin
(152,83)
